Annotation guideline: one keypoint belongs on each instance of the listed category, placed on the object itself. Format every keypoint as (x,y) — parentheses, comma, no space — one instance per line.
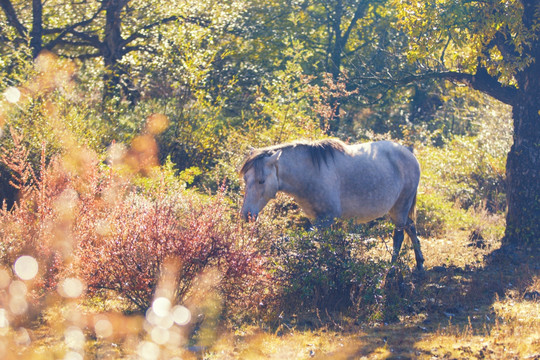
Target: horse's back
(373,176)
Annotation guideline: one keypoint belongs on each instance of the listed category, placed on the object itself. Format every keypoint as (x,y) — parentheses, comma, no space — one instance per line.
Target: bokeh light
(22,338)
(157,123)
(74,338)
(160,335)
(5,279)
(26,267)
(17,301)
(73,355)
(4,322)
(71,288)
(161,306)
(148,350)
(18,289)
(103,327)
(12,95)
(181,315)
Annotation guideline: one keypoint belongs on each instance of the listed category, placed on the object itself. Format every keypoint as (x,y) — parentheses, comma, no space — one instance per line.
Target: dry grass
(471,303)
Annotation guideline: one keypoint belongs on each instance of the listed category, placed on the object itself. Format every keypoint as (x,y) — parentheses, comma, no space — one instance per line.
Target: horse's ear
(274,158)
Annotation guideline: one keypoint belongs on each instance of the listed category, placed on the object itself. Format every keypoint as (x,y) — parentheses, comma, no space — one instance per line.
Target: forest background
(122,127)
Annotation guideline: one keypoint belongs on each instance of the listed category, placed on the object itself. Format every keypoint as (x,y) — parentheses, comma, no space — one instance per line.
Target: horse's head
(261,184)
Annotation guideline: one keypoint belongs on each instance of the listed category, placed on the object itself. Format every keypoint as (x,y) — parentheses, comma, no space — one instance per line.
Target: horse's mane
(319,151)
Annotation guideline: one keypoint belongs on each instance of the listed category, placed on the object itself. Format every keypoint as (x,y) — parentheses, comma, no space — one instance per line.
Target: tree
(494,47)
(338,20)
(33,25)
(106,29)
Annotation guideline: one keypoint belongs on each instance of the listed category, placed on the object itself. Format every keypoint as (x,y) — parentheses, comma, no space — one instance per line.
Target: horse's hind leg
(398,240)
(411,231)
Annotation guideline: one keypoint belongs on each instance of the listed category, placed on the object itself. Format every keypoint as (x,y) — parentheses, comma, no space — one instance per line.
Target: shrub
(465,172)
(436,215)
(329,269)
(33,226)
(124,246)
(117,231)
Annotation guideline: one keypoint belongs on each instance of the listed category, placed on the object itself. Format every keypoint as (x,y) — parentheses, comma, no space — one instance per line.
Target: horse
(329,179)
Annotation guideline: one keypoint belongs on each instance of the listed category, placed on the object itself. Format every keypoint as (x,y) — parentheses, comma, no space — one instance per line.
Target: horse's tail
(412,210)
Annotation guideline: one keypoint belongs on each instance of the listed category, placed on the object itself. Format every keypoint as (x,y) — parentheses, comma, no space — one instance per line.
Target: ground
(474,301)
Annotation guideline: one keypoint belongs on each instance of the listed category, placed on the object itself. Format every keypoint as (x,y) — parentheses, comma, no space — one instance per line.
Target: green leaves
(462,35)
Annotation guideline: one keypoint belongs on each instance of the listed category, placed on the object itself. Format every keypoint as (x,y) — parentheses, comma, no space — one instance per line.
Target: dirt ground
(475,300)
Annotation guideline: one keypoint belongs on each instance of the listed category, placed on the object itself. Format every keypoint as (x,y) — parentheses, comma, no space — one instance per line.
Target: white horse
(329,179)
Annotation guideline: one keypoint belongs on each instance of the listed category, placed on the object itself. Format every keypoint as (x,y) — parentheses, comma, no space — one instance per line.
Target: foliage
(94,224)
(122,139)
(329,270)
(137,237)
(451,34)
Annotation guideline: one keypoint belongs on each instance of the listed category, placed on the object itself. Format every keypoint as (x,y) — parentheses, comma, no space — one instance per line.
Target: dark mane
(319,151)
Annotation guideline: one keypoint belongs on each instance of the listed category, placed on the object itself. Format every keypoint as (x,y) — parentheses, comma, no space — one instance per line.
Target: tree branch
(85,56)
(357,15)
(480,81)
(12,18)
(193,20)
(67,30)
(89,39)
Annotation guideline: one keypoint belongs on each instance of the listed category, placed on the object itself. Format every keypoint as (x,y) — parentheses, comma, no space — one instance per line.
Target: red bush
(124,246)
(32,226)
(92,222)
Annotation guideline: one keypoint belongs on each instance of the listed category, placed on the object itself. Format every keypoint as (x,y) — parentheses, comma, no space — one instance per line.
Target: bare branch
(193,20)
(63,32)
(480,81)
(12,17)
(88,39)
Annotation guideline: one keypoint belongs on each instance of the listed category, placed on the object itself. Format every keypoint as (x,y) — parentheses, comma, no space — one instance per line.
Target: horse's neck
(290,174)
(295,177)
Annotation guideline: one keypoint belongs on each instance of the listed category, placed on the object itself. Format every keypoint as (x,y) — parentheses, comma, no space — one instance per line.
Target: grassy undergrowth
(472,302)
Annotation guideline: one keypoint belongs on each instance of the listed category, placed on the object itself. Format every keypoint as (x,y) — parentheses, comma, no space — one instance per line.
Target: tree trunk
(111,47)
(36,34)
(334,66)
(335,100)
(523,167)
(523,164)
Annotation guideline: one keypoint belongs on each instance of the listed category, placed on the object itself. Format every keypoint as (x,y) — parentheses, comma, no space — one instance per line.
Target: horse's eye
(261,182)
